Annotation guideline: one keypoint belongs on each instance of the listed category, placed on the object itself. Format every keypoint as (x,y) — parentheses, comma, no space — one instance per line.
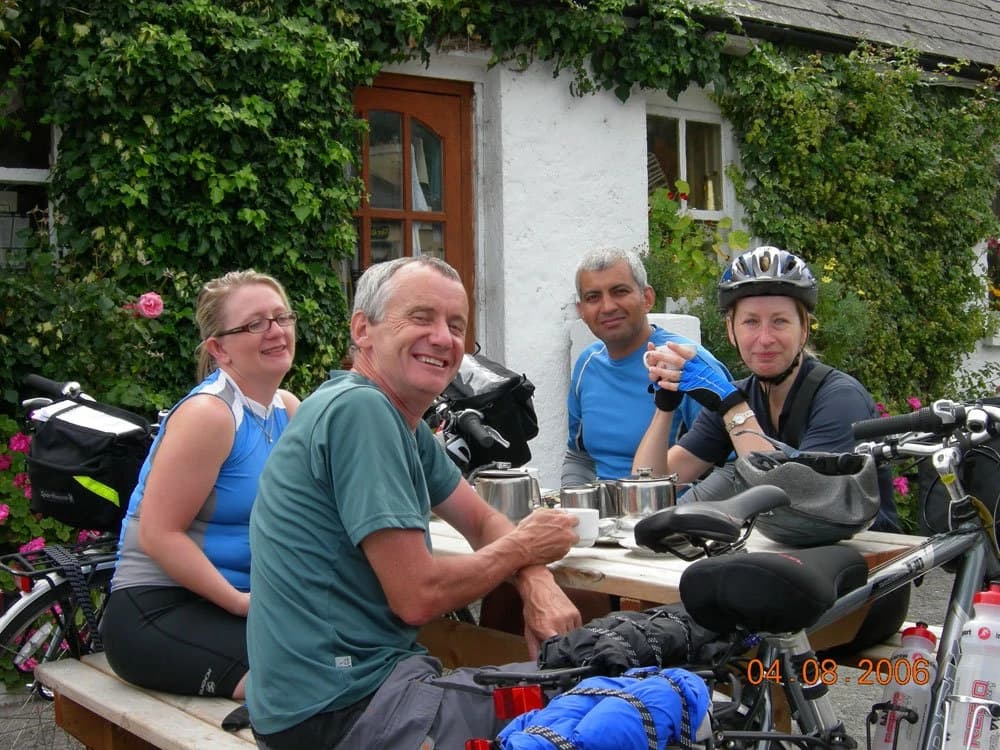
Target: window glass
(385,159)
(425,148)
(704,165)
(24,141)
(662,152)
(428,238)
(689,150)
(24,162)
(387,240)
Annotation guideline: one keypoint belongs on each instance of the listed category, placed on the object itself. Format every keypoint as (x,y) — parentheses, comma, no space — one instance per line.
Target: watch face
(740,419)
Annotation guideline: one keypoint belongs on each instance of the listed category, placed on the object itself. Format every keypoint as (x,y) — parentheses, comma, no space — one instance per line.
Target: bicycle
(773,601)
(63,588)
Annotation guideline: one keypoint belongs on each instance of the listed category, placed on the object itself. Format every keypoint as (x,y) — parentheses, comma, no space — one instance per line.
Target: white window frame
(694,105)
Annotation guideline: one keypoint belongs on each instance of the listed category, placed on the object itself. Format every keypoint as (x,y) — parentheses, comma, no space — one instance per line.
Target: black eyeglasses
(263,325)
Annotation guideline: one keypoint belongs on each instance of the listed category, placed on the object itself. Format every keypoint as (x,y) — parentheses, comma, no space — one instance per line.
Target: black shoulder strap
(791,433)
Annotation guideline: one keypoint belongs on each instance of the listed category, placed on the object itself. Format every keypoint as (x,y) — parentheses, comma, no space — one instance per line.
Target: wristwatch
(739,419)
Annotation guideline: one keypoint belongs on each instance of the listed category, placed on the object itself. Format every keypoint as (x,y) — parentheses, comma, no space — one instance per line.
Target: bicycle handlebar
(929,429)
(69,389)
(470,424)
(924,420)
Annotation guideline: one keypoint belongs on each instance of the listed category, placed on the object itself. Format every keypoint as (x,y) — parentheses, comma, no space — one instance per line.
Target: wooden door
(417,169)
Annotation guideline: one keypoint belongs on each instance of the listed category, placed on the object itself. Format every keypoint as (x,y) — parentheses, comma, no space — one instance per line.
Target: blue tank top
(221,527)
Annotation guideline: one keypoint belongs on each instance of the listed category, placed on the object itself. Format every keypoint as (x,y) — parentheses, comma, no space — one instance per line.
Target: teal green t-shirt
(320,632)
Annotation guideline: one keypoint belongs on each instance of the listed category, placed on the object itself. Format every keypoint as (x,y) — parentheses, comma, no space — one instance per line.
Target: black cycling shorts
(171,639)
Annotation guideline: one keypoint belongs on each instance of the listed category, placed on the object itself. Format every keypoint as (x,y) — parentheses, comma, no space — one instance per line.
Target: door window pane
(385,159)
(428,238)
(425,148)
(387,240)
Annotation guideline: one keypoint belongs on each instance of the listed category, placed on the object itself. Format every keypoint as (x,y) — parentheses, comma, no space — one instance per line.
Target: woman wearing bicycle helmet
(768,296)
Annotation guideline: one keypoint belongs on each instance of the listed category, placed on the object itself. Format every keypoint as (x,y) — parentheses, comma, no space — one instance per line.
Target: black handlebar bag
(84,462)
(505,399)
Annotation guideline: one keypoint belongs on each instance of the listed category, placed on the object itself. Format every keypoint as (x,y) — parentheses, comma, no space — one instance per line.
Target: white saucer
(629,543)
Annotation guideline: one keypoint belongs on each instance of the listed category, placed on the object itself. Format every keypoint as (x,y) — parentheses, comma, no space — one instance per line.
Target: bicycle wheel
(51,626)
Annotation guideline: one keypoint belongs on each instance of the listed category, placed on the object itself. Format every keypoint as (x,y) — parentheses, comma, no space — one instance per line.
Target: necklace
(265,424)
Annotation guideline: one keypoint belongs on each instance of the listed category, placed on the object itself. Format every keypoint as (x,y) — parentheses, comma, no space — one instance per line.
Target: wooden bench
(106,713)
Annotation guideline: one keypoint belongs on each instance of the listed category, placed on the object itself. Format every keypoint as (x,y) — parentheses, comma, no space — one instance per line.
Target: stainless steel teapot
(643,493)
(513,492)
(600,495)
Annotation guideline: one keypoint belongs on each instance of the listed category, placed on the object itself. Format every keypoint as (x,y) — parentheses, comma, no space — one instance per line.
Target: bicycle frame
(968,542)
(971,545)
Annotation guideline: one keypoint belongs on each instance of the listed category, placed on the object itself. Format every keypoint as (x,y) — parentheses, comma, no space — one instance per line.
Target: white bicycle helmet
(767,271)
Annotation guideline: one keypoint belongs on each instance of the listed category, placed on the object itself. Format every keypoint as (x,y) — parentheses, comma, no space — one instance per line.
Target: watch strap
(739,419)
(737,397)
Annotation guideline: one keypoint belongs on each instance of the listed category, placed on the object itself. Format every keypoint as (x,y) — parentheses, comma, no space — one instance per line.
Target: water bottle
(912,672)
(969,724)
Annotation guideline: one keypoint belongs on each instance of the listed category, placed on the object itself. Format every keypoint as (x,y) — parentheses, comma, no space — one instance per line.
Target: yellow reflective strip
(100,489)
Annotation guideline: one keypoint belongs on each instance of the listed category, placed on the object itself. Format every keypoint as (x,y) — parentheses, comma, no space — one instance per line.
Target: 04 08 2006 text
(813,671)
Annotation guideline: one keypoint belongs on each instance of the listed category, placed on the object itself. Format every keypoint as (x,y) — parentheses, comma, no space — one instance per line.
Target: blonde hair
(212,299)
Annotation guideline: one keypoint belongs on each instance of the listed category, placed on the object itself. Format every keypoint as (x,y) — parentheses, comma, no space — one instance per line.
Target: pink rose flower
(914,402)
(4,512)
(19,442)
(33,546)
(150,305)
(21,480)
(901,485)
(85,536)
(882,411)
(5,461)
(27,492)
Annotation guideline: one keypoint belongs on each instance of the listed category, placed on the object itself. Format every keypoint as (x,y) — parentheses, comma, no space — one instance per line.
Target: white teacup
(587,528)
(687,353)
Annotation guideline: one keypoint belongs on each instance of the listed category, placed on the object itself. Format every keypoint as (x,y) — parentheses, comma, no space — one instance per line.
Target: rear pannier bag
(84,462)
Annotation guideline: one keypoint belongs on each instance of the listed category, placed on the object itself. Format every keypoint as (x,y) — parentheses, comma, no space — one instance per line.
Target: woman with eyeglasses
(176,617)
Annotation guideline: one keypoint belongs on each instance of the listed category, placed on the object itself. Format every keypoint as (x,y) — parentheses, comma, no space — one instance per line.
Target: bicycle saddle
(720,521)
(770,592)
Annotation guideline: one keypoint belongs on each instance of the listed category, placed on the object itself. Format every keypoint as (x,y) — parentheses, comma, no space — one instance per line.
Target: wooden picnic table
(643,579)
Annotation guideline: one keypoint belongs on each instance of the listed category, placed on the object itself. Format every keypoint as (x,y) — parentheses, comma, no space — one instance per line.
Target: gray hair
(372,293)
(602,260)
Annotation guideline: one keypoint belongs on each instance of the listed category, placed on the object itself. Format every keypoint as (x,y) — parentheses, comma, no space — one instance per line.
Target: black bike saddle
(770,592)
(720,521)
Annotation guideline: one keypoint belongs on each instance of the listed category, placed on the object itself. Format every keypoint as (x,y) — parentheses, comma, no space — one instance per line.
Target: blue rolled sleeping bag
(612,722)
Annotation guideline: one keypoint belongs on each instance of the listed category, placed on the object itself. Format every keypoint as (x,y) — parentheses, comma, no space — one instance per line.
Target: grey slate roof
(946,29)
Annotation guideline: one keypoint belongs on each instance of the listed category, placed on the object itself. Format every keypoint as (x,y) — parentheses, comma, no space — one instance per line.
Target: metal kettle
(513,492)
(643,493)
